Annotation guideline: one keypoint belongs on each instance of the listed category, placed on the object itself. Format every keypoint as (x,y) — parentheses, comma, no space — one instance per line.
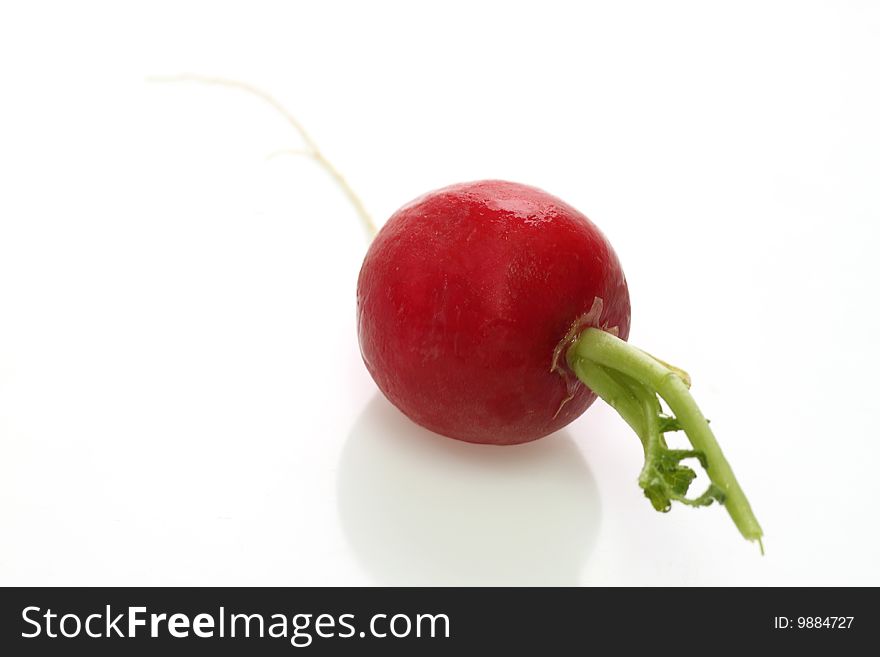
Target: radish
(495,313)
(492,312)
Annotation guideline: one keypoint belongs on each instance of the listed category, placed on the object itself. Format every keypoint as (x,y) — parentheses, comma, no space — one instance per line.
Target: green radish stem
(630,380)
(311,147)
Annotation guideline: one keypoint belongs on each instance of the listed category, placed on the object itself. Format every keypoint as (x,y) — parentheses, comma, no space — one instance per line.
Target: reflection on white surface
(419,509)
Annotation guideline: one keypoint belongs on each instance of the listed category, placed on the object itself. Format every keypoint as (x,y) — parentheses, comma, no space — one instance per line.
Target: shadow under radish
(420,509)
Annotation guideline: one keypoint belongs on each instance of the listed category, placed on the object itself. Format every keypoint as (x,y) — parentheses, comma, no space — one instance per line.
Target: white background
(182,399)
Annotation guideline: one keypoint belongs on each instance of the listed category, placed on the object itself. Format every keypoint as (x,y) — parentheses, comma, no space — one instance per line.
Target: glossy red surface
(462,298)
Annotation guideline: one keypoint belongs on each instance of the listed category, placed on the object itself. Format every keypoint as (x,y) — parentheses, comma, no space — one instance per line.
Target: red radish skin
(463,297)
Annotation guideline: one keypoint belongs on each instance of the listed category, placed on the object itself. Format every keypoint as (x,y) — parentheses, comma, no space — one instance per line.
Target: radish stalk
(630,380)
